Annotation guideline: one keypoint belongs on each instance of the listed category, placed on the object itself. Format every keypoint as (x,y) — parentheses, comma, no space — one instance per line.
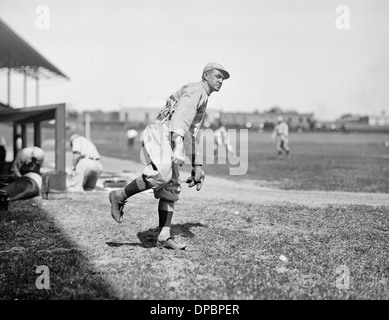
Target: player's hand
(197,177)
(178,150)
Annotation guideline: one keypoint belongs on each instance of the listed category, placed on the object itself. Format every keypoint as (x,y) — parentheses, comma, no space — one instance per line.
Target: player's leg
(157,152)
(168,195)
(92,174)
(21,189)
(75,182)
(286,148)
(165,214)
(279,148)
(151,177)
(119,197)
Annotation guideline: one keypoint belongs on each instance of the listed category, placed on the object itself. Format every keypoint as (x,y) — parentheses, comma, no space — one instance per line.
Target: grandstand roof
(28,115)
(15,53)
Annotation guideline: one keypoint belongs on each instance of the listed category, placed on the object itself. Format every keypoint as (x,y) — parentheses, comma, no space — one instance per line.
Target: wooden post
(87,125)
(25,89)
(15,136)
(37,91)
(60,136)
(24,135)
(37,134)
(9,87)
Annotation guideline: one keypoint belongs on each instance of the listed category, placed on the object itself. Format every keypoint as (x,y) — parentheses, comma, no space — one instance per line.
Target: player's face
(214,79)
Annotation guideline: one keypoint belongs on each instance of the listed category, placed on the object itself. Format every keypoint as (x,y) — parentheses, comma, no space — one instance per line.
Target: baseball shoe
(116,207)
(169,243)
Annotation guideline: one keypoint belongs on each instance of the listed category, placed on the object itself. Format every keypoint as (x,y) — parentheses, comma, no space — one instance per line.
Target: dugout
(17,56)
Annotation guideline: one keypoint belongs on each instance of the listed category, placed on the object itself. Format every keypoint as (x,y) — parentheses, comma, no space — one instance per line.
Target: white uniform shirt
(281,130)
(131,133)
(85,147)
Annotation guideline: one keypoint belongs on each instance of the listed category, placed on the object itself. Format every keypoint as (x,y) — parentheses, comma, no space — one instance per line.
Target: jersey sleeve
(17,164)
(76,146)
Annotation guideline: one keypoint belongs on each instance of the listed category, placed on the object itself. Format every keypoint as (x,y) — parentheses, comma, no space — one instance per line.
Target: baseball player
(164,150)
(131,135)
(222,139)
(281,136)
(29,159)
(86,166)
(27,168)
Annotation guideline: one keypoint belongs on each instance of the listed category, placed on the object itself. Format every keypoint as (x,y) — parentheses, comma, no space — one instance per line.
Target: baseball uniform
(88,169)
(183,114)
(281,133)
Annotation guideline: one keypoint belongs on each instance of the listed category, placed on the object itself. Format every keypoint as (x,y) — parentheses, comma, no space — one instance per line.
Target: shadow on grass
(148,238)
(124,244)
(29,238)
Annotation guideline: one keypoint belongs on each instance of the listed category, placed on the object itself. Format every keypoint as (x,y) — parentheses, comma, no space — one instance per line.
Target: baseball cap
(73,136)
(217,66)
(38,154)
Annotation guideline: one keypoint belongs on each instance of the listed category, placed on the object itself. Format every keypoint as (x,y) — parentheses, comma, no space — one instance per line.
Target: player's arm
(76,158)
(274,133)
(76,149)
(16,165)
(196,148)
(197,174)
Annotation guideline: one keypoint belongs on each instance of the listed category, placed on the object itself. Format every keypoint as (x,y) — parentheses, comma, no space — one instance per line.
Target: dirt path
(222,189)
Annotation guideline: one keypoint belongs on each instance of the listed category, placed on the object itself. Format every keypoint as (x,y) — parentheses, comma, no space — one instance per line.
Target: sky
(302,55)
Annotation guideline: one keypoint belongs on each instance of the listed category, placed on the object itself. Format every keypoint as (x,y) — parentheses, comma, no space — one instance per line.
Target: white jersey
(85,147)
(131,133)
(281,130)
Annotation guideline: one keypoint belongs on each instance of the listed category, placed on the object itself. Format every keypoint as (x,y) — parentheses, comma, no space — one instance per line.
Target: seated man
(86,168)
(26,167)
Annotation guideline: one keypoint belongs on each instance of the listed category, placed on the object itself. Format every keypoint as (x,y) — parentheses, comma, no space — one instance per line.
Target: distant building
(141,115)
(353,118)
(379,120)
(254,119)
(138,114)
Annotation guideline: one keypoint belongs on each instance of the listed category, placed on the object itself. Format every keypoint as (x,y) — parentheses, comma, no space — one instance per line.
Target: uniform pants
(161,173)
(283,145)
(85,176)
(22,189)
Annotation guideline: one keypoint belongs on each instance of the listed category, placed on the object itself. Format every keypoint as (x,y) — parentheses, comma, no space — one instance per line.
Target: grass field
(230,256)
(320,161)
(237,249)
(330,161)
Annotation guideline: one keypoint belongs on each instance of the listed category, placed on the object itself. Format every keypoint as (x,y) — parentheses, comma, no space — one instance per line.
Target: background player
(281,136)
(86,165)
